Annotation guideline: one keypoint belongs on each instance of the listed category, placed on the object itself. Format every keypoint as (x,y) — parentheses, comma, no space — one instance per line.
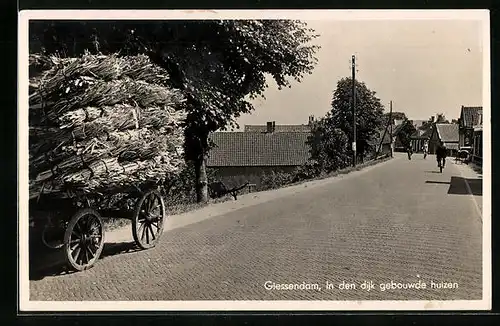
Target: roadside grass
(332,174)
(172,207)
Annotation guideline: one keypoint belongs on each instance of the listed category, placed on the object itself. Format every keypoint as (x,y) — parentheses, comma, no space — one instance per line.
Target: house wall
(433,141)
(418,145)
(477,149)
(465,137)
(233,176)
(461,137)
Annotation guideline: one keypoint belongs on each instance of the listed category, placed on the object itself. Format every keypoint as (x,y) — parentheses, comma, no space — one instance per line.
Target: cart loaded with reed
(105,133)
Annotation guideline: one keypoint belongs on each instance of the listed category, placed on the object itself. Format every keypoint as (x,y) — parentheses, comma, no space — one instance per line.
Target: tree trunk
(201,180)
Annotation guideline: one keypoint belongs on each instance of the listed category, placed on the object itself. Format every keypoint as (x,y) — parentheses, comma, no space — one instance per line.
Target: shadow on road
(432,172)
(458,186)
(439,182)
(51,262)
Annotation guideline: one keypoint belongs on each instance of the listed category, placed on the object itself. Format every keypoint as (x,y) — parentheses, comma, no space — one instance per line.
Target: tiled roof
(448,132)
(397,128)
(470,115)
(423,132)
(427,133)
(278,128)
(259,149)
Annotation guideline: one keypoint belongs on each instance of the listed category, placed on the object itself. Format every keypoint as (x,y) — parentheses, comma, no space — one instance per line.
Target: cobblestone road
(400,221)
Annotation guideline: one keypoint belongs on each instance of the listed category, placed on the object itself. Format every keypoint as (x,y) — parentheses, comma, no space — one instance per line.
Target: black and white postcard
(254,160)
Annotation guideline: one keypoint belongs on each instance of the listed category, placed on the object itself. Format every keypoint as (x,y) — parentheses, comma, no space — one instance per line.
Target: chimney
(311,119)
(271,126)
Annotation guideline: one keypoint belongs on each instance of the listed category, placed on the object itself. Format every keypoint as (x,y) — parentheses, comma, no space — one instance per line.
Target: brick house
(469,117)
(446,132)
(381,143)
(397,135)
(423,131)
(245,156)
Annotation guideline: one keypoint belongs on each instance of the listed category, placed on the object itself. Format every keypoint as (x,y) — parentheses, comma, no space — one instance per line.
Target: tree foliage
(440,118)
(405,133)
(329,145)
(395,116)
(220,65)
(369,114)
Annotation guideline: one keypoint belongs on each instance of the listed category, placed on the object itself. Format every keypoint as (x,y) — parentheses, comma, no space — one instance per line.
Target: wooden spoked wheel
(148,220)
(84,239)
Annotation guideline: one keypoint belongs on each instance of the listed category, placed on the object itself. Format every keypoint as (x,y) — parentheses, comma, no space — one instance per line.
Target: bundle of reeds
(99,123)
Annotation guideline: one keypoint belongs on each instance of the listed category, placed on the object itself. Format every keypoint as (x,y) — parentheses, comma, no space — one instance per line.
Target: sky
(425,67)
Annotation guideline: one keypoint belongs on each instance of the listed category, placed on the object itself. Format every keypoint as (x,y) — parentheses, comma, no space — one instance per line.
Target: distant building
(381,143)
(245,156)
(469,117)
(448,134)
(399,145)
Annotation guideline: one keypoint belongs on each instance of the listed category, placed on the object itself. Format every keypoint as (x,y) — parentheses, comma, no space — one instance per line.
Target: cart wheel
(147,224)
(84,239)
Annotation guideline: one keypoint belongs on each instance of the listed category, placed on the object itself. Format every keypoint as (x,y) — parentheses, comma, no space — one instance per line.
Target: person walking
(426,149)
(409,150)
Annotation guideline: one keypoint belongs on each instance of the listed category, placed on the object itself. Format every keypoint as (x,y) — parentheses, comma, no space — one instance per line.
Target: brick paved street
(399,221)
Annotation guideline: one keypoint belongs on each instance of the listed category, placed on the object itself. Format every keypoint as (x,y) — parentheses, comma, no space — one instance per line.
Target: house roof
(259,149)
(278,128)
(427,133)
(397,128)
(447,132)
(424,131)
(470,115)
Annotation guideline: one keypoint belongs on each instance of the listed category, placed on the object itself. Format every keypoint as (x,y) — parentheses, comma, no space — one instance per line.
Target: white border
(26,305)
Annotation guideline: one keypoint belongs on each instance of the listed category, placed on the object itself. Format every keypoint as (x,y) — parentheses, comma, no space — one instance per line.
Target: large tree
(440,118)
(369,114)
(220,65)
(395,116)
(329,146)
(405,133)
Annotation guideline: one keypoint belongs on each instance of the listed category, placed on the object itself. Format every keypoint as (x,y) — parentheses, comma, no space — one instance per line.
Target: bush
(329,146)
(275,180)
(310,170)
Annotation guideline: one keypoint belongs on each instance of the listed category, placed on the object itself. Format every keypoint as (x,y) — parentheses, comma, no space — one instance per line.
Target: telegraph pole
(354,110)
(390,121)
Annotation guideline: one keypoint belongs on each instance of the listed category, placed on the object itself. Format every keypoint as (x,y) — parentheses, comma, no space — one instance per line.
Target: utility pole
(354,111)
(390,121)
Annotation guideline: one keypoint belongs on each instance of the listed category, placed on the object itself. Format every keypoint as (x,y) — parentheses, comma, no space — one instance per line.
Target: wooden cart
(77,225)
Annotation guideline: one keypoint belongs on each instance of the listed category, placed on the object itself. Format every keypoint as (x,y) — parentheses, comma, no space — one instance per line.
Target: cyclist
(425,148)
(441,154)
